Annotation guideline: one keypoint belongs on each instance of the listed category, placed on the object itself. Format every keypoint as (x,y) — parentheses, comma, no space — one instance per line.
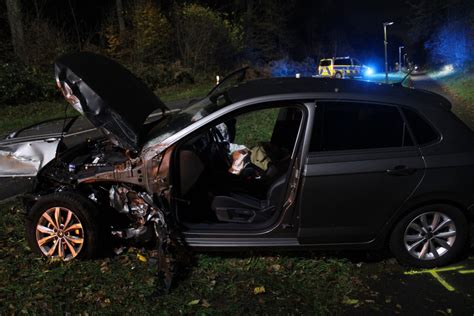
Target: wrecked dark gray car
(272,163)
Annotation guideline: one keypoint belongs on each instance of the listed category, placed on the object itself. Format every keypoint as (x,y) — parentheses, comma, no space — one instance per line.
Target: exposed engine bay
(111,174)
(92,158)
(112,179)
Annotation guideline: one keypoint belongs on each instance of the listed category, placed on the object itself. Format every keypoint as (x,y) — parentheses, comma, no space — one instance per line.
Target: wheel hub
(59,233)
(430,235)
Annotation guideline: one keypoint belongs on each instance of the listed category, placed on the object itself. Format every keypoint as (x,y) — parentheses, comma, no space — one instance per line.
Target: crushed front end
(105,187)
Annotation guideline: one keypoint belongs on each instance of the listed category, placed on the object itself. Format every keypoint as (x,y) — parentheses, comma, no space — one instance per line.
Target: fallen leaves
(194,302)
(259,290)
(350,301)
(141,258)
(202,302)
(275,268)
(104,267)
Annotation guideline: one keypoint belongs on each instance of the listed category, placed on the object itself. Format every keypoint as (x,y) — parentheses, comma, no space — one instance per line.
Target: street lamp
(405,59)
(400,58)
(385,24)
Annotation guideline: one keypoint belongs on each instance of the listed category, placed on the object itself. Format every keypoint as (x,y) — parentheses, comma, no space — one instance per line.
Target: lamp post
(405,58)
(385,24)
(400,58)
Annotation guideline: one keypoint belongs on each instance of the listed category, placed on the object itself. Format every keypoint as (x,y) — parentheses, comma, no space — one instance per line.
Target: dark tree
(15,19)
(120,18)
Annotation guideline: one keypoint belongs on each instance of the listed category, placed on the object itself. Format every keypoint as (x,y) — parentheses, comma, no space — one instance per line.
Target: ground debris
(259,290)
(350,301)
(141,257)
(194,302)
(171,256)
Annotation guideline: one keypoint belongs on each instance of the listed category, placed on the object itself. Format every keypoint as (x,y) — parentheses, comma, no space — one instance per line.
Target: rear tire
(338,75)
(65,226)
(431,236)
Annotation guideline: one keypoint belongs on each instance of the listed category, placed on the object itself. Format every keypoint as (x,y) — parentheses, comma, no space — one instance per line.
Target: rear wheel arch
(420,203)
(449,211)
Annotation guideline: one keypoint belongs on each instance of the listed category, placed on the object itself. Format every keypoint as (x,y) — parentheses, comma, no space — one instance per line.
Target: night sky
(363,25)
(360,22)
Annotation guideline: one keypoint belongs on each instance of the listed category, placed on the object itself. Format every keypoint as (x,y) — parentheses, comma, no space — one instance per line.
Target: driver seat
(243,208)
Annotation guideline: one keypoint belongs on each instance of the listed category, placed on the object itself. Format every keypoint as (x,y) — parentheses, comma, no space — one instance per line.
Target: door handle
(401,171)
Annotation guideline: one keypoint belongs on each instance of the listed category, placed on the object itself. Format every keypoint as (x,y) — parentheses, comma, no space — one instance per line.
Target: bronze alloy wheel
(59,233)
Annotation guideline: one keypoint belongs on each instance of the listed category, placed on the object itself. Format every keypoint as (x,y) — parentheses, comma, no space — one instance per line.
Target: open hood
(108,95)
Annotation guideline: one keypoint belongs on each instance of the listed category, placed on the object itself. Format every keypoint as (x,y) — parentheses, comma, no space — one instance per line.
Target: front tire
(431,236)
(64,226)
(338,75)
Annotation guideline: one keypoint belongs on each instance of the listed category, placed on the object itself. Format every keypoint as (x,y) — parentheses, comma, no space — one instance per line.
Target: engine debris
(147,223)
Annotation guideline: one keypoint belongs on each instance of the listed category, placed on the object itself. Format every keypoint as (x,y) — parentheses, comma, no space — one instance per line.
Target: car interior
(235,171)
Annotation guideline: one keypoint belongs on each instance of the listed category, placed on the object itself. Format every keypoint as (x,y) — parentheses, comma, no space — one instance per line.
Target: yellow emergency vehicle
(340,67)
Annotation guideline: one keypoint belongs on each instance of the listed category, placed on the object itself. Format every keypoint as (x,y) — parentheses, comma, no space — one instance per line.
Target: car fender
(419,200)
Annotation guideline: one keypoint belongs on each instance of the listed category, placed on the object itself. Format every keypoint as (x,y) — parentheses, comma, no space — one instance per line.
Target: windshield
(325,63)
(174,122)
(342,61)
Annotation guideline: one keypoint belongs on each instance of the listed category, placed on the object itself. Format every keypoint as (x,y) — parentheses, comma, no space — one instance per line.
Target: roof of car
(331,88)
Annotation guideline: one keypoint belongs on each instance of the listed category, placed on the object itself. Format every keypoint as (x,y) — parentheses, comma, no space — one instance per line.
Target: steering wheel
(221,145)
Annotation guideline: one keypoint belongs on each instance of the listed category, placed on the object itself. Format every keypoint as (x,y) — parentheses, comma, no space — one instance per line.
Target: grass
(215,284)
(17,116)
(255,127)
(461,88)
(184,92)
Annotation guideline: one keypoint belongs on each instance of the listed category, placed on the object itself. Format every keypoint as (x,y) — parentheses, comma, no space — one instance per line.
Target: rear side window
(347,126)
(325,63)
(343,61)
(423,132)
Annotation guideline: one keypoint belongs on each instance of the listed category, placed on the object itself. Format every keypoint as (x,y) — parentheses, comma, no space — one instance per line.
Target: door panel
(348,197)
